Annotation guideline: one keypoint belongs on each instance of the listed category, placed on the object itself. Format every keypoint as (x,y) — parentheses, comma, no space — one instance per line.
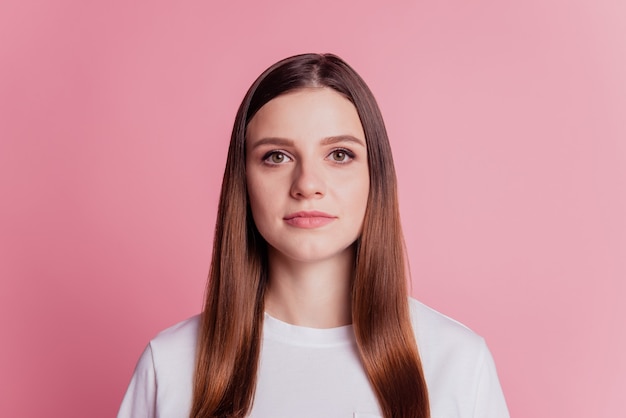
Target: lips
(309,219)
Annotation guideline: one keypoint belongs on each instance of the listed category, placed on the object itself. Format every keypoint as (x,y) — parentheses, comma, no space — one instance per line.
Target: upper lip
(309,214)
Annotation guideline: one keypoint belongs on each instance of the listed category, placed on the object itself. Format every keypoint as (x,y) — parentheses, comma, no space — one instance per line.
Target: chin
(313,254)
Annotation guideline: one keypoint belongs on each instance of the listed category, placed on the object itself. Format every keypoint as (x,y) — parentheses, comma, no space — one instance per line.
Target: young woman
(307,312)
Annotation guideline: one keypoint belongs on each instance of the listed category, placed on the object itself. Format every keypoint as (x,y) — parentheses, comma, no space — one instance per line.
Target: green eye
(339,156)
(277,158)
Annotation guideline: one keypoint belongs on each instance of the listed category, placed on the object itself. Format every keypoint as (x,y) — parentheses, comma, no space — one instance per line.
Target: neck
(311,294)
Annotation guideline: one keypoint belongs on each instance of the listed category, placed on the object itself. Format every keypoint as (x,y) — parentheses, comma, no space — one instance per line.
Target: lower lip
(309,222)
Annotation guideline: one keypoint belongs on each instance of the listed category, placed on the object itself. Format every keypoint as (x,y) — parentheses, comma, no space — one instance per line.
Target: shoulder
(433,328)
(458,366)
(175,347)
(184,331)
(173,352)
(174,358)
(447,348)
(162,384)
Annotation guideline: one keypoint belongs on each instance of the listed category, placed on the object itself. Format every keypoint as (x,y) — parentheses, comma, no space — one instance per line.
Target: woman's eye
(277,157)
(341,156)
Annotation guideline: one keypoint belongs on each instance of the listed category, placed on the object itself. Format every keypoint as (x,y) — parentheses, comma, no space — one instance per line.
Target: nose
(308,182)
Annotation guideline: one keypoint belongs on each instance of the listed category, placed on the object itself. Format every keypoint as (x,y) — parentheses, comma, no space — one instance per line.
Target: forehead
(315,112)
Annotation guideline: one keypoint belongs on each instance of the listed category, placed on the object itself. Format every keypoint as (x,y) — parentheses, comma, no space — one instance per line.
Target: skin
(305,152)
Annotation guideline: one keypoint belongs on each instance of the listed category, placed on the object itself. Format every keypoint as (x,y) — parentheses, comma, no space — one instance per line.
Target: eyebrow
(283,142)
(342,138)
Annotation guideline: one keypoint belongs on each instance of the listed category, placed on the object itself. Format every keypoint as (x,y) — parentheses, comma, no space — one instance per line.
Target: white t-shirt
(309,372)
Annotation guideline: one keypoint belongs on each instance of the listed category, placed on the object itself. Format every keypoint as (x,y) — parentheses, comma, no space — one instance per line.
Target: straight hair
(232,319)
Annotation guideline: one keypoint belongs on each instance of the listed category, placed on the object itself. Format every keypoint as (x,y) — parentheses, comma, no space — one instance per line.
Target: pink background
(508,124)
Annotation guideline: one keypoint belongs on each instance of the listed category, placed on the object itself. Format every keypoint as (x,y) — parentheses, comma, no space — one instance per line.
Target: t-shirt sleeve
(140,398)
(490,402)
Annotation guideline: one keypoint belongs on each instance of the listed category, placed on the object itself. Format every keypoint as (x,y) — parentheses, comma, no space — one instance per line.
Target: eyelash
(349,156)
(267,156)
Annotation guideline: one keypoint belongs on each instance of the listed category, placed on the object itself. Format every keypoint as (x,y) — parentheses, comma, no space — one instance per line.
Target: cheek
(261,199)
(255,204)
(252,196)
(362,191)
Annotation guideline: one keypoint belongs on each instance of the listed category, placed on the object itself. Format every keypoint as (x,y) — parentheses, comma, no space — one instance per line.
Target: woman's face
(307,174)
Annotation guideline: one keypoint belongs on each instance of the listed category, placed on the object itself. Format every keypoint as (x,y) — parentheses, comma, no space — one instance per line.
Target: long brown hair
(232,320)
